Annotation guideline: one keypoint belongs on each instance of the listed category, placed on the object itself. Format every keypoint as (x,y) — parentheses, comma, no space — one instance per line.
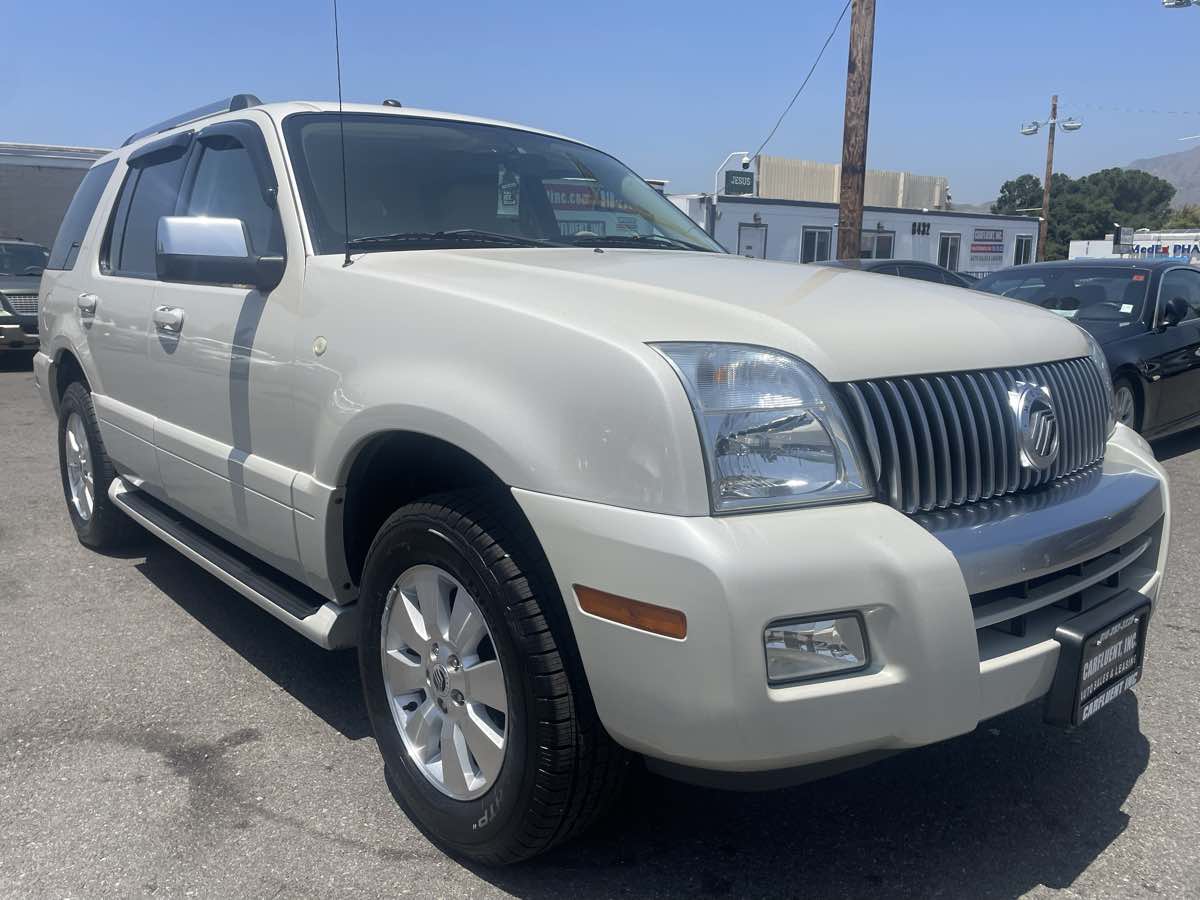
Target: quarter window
(147,195)
(227,187)
(78,216)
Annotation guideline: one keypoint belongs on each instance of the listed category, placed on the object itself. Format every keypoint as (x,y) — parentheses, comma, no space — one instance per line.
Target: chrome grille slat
(939,441)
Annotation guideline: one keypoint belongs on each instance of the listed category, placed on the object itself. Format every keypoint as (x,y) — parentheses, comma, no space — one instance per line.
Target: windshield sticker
(1138,276)
(508,193)
(1127,308)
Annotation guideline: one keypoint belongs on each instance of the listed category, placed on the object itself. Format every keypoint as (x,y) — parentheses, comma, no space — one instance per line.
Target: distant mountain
(1181,169)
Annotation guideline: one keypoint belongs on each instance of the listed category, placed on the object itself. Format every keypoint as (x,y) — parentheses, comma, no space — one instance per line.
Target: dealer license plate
(1100,658)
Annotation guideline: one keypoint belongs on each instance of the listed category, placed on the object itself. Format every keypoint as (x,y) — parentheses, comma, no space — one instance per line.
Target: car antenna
(337,49)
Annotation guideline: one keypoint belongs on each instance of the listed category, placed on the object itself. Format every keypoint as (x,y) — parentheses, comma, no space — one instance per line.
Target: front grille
(937,441)
(23,304)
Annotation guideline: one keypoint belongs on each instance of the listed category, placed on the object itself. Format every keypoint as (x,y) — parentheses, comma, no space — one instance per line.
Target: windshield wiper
(455,237)
(638,240)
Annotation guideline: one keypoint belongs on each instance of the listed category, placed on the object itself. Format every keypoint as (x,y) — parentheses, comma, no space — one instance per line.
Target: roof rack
(229,104)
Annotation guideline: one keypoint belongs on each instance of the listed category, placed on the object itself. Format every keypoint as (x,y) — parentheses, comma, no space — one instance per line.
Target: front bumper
(703,702)
(14,337)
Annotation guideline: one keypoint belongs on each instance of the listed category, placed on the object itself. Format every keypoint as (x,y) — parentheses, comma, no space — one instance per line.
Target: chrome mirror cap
(203,236)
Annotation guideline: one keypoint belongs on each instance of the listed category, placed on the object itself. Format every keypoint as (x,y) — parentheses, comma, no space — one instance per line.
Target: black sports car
(1146,316)
(905,268)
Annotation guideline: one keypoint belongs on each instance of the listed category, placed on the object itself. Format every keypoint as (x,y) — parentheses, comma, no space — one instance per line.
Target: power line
(791,103)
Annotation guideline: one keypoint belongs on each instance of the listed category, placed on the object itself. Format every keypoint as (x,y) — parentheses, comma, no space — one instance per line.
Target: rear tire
(558,768)
(1127,404)
(86,474)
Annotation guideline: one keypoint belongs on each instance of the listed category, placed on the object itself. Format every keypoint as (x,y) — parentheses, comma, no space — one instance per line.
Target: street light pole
(745,154)
(1045,223)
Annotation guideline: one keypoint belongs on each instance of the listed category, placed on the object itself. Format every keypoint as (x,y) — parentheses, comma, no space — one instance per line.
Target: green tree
(1023,192)
(1186,216)
(1087,207)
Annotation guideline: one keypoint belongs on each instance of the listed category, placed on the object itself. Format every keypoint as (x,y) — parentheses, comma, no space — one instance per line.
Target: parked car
(905,268)
(577,484)
(1146,316)
(21,265)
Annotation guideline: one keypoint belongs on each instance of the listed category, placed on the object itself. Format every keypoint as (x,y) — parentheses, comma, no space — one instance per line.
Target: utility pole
(854,134)
(1041,253)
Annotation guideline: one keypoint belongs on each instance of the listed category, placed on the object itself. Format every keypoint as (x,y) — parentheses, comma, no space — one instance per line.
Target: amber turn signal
(644,616)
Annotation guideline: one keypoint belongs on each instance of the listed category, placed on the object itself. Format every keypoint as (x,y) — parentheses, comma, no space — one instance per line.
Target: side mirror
(201,250)
(1175,311)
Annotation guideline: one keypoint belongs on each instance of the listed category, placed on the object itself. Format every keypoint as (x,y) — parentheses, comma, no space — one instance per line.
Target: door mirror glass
(1175,311)
(203,250)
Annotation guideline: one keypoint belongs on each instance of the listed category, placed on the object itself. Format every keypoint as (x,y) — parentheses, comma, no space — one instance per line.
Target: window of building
(1024,250)
(79,214)
(878,245)
(816,244)
(948,247)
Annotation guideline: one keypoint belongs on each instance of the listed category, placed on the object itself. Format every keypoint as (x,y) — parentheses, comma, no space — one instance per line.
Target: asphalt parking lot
(159,735)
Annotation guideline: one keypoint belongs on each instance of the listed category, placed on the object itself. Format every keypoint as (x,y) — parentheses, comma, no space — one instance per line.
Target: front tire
(86,474)
(490,740)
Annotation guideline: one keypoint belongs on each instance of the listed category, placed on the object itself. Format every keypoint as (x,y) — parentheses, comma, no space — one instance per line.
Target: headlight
(771,430)
(1096,355)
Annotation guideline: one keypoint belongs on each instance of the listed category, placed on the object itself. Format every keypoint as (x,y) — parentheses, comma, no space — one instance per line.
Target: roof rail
(229,104)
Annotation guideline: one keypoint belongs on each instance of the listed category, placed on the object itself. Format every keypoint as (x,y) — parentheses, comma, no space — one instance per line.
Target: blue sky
(669,87)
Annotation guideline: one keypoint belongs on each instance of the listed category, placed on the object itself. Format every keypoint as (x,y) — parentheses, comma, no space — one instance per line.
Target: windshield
(22,259)
(1087,293)
(418,183)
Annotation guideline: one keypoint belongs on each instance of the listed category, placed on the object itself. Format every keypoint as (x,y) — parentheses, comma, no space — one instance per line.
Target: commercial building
(806,231)
(1144,244)
(787,209)
(37,181)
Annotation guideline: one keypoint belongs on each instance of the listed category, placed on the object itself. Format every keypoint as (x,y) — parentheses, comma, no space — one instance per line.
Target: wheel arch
(65,368)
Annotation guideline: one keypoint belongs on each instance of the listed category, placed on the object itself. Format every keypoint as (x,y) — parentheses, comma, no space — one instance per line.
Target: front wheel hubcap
(1126,408)
(77,452)
(444,682)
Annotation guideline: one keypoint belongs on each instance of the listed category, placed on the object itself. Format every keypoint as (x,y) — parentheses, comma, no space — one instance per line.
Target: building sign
(920,228)
(1123,240)
(739,182)
(987,247)
(1184,250)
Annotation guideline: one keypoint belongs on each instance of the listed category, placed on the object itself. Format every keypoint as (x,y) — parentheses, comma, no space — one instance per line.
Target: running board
(322,621)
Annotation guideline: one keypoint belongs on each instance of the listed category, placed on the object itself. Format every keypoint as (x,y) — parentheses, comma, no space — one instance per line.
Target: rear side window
(75,223)
(227,187)
(147,195)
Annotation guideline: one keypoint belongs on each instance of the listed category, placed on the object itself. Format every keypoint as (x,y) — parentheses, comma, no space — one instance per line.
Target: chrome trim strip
(1078,518)
(1060,588)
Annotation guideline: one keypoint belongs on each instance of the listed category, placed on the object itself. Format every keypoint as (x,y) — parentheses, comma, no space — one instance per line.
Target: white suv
(577,483)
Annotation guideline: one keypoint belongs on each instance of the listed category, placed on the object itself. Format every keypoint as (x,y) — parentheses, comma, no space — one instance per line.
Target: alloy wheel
(444,682)
(78,454)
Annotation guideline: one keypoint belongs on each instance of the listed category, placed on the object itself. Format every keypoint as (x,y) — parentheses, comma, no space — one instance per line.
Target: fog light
(833,645)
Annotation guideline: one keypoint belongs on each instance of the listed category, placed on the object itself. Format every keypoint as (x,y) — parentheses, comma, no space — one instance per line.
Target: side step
(299,607)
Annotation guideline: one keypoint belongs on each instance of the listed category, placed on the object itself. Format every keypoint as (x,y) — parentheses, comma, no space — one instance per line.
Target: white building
(806,231)
(1145,245)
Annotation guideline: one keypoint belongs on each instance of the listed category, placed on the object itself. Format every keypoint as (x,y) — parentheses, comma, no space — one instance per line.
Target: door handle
(87,303)
(169,319)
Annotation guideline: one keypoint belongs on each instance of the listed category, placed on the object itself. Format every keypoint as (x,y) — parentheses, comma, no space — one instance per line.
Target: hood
(848,324)
(1107,332)
(20,284)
